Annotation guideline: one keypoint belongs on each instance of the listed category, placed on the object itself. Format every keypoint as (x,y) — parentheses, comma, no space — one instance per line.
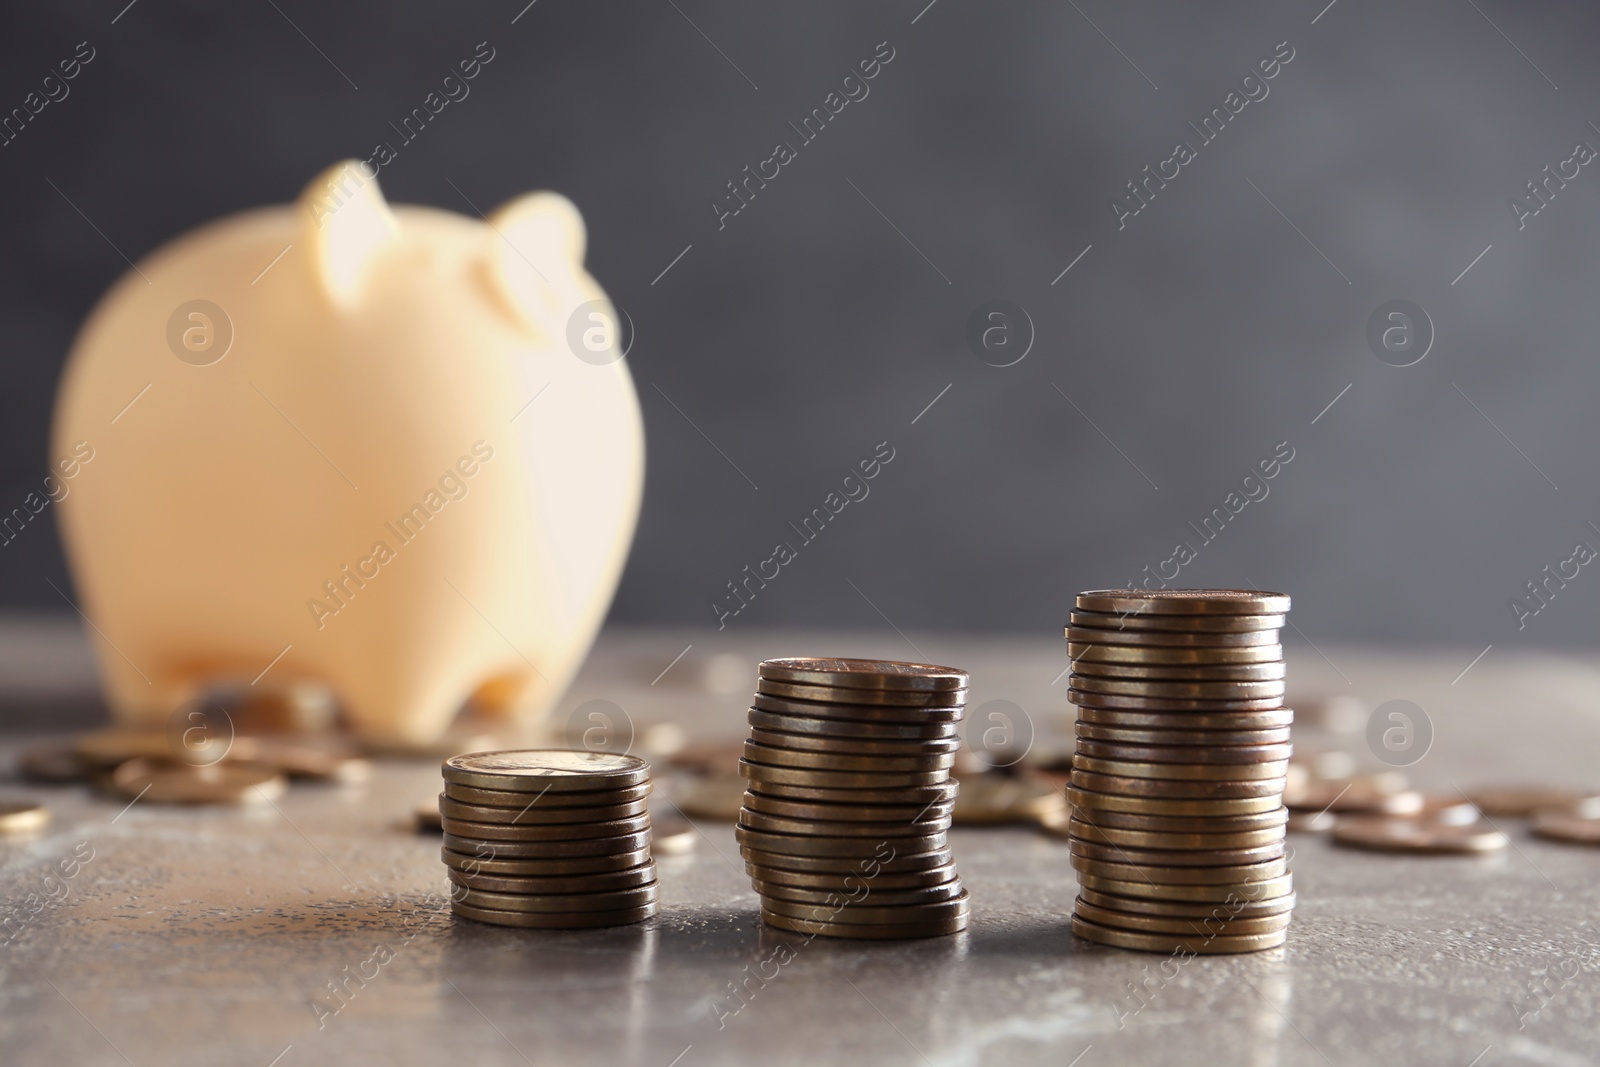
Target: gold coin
(546,770)
(426,818)
(54,762)
(886,861)
(868,932)
(856,882)
(1450,808)
(1175,857)
(644,874)
(886,898)
(1273,819)
(1147,839)
(1311,822)
(672,836)
(163,781)
(1230,691)
(992,799)
(544,920)
(1188,772)
(1200,945)
(863,673)
(1177,789)
(1133,735)
(22,817)
(711,797)
(947,702)
(1195,807)
(520,800)
(1522,801)
(1561,826)
(878,831)
(1154,875)
(1376,794)
(869,913)
(1208,624)
(763,717)
(1082,700)
(1173,909)
(552,832)
(1159,656)
(854,746)
(831,761)
(1413,835)
(1124,672)
(1217,754)
(917,841)
(532,814)
(1183,601)
(1153,924)
(917,795)
(313,756)
(592,846)
(799,809)
(484,858)
(1191,721)
(804,776)
(1128,638)
(1266,643)
(1245,892)
(610,900)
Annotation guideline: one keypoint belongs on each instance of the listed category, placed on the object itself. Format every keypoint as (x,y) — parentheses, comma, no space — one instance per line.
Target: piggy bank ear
(346,221)
(538,242)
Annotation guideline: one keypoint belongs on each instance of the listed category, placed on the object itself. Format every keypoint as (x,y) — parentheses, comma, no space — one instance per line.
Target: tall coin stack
(844,824)
(549,839)
(1177,785)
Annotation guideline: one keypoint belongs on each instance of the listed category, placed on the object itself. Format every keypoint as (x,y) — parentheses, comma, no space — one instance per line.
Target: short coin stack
(1177,784)
(549,839)
(844,823)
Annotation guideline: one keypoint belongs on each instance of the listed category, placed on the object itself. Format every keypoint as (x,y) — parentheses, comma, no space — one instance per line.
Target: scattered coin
(427,820)
(1376,794)
(992,799)
(1523,800)
(1562,826)
(672,836)
(711,797)
(53,762)
(1415,835)
(22,817)
(164,781)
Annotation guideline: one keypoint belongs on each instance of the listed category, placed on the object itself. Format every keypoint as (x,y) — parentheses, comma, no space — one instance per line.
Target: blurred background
(1156,356)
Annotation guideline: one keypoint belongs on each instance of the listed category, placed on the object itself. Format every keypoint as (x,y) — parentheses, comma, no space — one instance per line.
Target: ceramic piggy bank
(392,450)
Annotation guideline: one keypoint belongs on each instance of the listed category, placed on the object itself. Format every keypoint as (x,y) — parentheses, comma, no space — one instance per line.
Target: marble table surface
(210,936)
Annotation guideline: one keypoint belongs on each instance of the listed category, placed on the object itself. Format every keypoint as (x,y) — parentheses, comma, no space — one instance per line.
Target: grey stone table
(210,936)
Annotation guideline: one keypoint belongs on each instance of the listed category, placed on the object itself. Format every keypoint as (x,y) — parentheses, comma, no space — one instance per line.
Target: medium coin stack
(1177,785)
(844,824)
(549,839)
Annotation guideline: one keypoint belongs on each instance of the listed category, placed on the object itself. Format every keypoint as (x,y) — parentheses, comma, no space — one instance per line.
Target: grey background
(817,323)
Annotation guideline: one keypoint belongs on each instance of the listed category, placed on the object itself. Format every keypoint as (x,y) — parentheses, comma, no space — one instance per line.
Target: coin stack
(548,839)
(1177,783)
(845,818)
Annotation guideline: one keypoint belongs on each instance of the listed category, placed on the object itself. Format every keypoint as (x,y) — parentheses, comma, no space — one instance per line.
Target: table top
(209,935)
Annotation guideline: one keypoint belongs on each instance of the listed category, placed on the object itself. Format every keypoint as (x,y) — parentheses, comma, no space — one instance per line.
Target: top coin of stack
(550,839)
(845,820)
(1177,783)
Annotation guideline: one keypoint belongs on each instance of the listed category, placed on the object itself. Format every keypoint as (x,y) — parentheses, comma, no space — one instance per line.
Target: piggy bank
(390,450)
